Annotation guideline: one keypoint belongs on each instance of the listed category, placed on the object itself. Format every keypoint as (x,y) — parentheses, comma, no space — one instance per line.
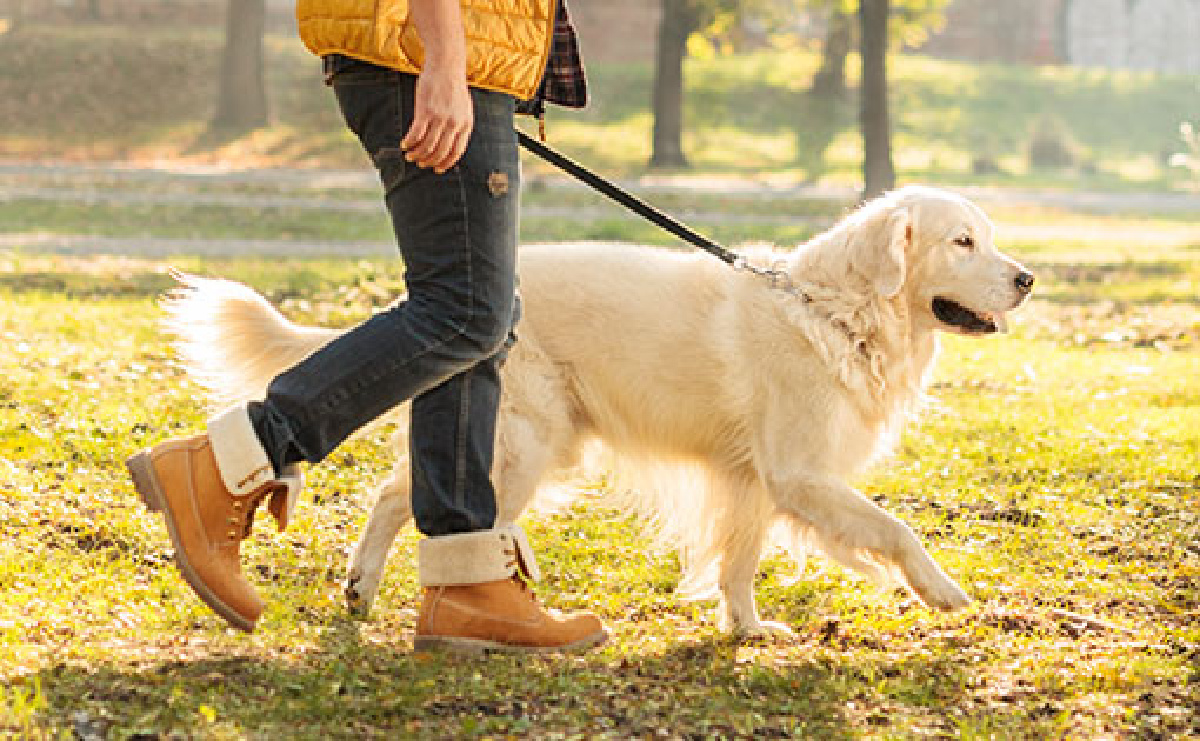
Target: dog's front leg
(856,532)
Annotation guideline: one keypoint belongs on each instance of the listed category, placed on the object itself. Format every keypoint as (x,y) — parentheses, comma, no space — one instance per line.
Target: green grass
(100,92)
(1055,478)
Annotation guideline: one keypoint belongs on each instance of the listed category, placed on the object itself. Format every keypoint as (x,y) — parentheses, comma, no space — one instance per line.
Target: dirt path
(356,191)
(11,172)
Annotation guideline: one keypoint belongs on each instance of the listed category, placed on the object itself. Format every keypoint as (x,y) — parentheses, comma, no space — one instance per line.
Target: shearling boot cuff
(475,558)
(243,463)
(283,501)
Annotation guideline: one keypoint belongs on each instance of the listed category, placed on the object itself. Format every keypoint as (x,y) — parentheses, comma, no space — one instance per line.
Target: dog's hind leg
(856,532)
(526,449)
(737,612)
(392,511)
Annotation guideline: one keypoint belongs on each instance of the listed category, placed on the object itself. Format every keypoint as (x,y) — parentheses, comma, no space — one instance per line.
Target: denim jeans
(443,345)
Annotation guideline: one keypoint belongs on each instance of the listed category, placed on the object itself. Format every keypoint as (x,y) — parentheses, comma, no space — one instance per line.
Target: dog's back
(642,337)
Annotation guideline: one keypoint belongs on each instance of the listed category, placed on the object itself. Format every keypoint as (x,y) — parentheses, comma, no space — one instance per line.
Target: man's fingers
(455,146)
(422,138)
(460,144)
(417,132)
(436,145)
(432,149)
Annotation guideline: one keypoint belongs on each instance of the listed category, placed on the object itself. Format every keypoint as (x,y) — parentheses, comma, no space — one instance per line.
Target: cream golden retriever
(736,412)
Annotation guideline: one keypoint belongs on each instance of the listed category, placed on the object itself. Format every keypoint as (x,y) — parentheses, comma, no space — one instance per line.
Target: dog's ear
(893,253)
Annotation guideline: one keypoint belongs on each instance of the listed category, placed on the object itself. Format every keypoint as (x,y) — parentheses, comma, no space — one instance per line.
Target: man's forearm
(442,112)
(440,25)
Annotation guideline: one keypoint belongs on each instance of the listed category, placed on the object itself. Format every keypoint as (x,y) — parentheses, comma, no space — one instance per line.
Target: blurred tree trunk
(878,173)
(830,80)
(242,98)
(679,21)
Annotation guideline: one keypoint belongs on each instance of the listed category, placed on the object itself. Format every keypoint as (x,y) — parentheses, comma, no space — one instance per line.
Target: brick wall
(1011,31)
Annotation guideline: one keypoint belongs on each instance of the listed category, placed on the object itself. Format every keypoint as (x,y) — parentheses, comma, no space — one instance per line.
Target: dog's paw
(771,629)
(946,597)
(763,630)
(357,604)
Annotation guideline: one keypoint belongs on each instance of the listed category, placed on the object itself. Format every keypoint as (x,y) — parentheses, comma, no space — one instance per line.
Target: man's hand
(442,121)
(442,112)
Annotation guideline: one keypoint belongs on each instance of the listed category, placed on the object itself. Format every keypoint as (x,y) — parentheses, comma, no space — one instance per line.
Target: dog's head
(935,249)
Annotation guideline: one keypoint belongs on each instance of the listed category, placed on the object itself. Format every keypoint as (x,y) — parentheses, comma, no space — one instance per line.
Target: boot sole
(479,647)
(145,481)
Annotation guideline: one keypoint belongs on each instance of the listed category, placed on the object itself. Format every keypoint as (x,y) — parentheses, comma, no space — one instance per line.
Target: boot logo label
(254,476)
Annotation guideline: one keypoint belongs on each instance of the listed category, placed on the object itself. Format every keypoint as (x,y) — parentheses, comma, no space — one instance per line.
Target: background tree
(902,22)
(879,174)
(680,19)
(242,96)
(910,24)
(830,79)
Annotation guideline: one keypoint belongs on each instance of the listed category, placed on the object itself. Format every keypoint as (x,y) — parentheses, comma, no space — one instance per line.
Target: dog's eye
(965,240)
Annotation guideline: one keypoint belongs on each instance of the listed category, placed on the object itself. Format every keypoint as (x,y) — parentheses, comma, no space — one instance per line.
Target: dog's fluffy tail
(230,340)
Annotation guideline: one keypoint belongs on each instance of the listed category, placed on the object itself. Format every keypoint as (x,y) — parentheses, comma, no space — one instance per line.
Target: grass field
(1056,478)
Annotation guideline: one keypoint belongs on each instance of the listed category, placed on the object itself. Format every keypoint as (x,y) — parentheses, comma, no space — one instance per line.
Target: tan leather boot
(208,514)
(499,613)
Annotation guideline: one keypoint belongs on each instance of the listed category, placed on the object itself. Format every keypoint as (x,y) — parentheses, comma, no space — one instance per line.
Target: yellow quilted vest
(508,41)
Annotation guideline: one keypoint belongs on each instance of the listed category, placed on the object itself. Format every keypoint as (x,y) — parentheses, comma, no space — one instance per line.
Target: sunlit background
(1055,476)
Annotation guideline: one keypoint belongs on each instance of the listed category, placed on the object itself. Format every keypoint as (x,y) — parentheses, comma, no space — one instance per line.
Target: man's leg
(457,232)
(458,313)
(452,432)
(444,344)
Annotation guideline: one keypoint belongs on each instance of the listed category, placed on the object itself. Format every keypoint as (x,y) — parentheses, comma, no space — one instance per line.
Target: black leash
(630,201)
(775,276)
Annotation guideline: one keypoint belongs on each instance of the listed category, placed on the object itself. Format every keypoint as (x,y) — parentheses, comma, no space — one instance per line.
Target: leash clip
(775,277)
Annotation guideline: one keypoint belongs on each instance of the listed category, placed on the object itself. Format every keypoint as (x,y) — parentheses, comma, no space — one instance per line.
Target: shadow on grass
(349,687)
(84,286)
(213,137)
(98,277)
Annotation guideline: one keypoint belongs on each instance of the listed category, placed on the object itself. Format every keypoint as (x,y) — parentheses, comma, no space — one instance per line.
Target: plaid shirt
(562,84)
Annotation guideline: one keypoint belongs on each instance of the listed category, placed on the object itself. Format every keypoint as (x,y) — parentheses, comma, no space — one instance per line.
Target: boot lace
(241,522)
(519,574)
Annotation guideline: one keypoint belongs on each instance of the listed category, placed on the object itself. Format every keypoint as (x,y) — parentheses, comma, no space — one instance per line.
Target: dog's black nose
(1024,282)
